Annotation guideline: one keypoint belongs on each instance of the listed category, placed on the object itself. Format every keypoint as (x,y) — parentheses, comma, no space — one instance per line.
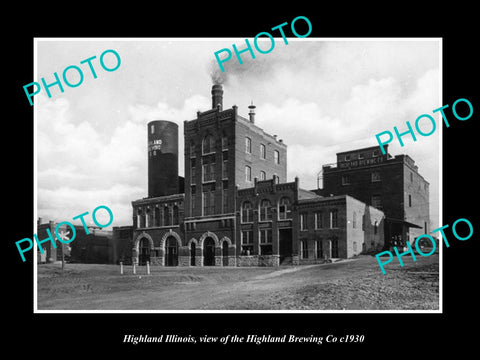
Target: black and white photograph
(268,183)
(260,187)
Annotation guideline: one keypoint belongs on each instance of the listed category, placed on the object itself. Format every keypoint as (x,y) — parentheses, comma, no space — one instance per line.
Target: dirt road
(354,284)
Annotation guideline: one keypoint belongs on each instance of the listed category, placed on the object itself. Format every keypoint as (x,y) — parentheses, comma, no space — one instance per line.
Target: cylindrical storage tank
(162,158)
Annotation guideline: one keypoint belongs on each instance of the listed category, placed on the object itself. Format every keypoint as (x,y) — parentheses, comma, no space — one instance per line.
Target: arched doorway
(171,252)
(209,252)
(192,254)
(144,251)
(225,253)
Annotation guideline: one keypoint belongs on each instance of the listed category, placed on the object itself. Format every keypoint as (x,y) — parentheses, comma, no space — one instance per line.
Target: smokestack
(217,96)
(252,113)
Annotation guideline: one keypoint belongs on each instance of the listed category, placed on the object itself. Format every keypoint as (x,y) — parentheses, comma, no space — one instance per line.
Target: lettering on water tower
(155,145)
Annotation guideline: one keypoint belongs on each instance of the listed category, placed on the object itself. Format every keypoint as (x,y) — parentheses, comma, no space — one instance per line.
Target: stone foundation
(258,260)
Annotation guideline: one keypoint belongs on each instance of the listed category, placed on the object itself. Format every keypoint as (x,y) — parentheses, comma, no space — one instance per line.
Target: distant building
(391,184)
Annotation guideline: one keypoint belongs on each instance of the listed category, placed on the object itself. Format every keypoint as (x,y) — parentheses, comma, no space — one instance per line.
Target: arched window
(265,210)
(247,212)
(284,209)
(192,148)
(208,144)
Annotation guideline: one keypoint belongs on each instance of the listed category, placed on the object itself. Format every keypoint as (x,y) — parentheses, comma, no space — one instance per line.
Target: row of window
(208,199)
(265,237)
(361,156)
(208,147)
(248,174)
(375,177)
(265,210)
(318,249)
(165,216)
(319,220)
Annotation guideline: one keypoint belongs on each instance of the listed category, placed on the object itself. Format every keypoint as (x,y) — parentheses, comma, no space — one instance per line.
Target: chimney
(217,97)
(252,113)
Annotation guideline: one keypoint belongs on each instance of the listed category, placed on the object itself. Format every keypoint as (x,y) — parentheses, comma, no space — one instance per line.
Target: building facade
(391,184)
(237,208)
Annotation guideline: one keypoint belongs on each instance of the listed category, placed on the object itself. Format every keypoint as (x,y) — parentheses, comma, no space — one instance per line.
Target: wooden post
(121,268)
(148,267)
(134,270)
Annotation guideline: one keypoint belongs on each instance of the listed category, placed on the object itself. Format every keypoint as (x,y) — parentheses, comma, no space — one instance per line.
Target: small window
(224,142)
(263,152)
(410,200)
(284,209)
(333,219)
(303,221)
(248,173)
(375,153)
(347,157)
(319,249)
(208,144)
(345,179)
(263,175)
(411,177)
(376,176)
(265,210)
(247,212)
(318,220)
(248,145)
(361,156)
(276,157)
(304,249)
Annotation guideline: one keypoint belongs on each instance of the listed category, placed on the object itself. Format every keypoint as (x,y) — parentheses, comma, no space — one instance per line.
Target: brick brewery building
(235,206)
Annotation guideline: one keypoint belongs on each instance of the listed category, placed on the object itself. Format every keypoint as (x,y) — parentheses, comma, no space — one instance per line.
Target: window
(410,200)
(303,221)
(284,209)
(377,201)
(192,171)
(208,200)
(192,200)
(333,219)
(263,152)
(376,176)
(147,218)
(318,249)
(224,142)
(247,242)
(265,210)
(375,153)
(166,216)
(247,212)
(361,156)
(318,220)
(266,242)
(263,175)
(157,216)
(347,157)
(152,129)
(208,172)
(345,179)
(208,144)
(276,157)
(192,149)
(175,215)
(354,222)
(335,248)
(304,249)
(248,173)
(248,145)
(411,177)
(225,197)
(225,169)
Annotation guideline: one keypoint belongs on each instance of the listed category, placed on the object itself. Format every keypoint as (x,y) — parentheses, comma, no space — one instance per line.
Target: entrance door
(144,252)
(225,253)
(192,254)
(171,252)
(285,245)
(209,252)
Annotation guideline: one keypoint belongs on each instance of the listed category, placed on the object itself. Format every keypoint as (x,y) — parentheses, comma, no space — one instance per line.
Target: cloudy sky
(321,96)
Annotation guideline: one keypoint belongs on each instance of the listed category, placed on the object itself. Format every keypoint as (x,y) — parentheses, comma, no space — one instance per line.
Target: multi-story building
(392,184)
